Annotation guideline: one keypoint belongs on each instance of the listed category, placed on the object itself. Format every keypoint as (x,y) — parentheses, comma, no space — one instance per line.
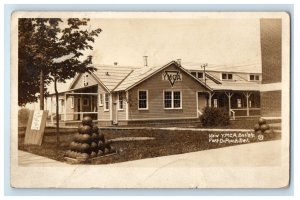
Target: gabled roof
(139,75)
(123,78)
(111,75)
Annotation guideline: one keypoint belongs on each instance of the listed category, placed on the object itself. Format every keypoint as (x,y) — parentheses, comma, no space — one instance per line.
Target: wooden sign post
(36,127)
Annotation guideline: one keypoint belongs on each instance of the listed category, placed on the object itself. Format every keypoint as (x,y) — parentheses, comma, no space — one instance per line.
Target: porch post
(51,114)
(91,103)
(65,108)
(229,95)
(81,114)
(211,94)
(127,105)
(247,95)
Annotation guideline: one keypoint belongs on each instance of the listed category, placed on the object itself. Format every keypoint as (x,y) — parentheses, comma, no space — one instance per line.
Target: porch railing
(244,112)
(233,114)
(72,116)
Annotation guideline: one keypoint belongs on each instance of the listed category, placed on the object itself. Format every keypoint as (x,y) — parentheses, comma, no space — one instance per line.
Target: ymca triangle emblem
(172,76)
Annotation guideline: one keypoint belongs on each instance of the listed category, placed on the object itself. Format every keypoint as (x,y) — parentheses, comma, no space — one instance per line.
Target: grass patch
(166,142)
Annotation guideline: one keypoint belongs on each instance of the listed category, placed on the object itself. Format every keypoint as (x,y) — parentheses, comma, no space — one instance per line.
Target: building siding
(271,50)
(102,115)
(270,32)
(271,103)
(79,82)
(156,86)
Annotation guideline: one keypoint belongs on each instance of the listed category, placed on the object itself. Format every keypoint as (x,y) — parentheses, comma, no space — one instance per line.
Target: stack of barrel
(262,128)
(89,142)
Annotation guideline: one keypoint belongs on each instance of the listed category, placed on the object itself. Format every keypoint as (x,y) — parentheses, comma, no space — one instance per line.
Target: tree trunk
(42,90)
(57,114)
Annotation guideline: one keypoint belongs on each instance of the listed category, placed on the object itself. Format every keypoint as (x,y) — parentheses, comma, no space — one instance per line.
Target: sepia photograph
(150,99)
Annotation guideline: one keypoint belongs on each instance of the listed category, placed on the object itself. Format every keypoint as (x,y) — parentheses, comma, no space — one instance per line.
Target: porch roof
(234,86)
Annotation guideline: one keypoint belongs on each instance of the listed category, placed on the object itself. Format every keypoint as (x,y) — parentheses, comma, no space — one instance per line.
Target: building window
(215,103)
(200,75)
(226,76)
(85,102)
(168,99)
(239,103)
(143,99)
(172,100)
(194,74)
(121,104)
(254,77)
(85,80)
(106,100)
(177,99)
(72,102)
(100,99)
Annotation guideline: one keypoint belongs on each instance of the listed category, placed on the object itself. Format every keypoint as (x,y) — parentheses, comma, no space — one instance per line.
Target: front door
(114,113)
(202,101)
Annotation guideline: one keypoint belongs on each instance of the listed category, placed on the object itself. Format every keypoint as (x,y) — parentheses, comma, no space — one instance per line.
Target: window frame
(138,99)
(72,102)
(172,99)
(108,101)
(202,75)
(196,74)
(87,100)
(119,102)
(100,99)
(226,76)
(239,103)
(215,103)
(85,80)
(254,77)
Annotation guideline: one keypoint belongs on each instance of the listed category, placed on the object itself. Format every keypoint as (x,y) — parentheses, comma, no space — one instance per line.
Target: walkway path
(254,154)
(30,159)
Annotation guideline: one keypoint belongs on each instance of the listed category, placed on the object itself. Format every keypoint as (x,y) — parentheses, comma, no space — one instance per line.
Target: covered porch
(75,104)
(237,103)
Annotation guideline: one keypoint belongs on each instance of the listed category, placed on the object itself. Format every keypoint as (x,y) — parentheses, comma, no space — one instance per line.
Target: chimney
(145,61)
(115,63)
(179,62)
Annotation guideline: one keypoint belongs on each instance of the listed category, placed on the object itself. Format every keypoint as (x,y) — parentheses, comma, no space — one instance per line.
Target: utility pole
(204,74)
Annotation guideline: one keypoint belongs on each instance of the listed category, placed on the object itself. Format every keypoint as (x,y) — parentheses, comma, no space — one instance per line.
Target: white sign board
(37,120)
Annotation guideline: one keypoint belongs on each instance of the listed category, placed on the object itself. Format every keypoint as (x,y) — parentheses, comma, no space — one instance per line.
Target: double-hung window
(142,99)
(120,102)
(100,99)
(85,80)
(72,102)
(172,100)
(239,103)
(106,101)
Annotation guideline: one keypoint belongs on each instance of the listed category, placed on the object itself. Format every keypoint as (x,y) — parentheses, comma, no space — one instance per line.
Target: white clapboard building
(124,95)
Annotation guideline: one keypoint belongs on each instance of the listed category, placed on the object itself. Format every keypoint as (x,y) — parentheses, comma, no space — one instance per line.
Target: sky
(230,42)
(223,43)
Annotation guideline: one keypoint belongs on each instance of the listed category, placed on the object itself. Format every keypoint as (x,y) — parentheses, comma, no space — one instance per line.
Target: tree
(58,53)
(34,58)
(28,82)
